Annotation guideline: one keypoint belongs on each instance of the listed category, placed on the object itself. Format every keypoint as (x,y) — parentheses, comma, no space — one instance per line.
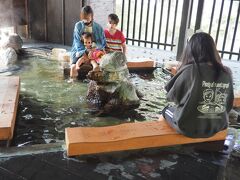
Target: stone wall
(101,10)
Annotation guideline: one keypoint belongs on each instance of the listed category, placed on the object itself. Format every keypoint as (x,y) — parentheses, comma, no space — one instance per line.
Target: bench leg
(212,146)
(5,143)
(8,143)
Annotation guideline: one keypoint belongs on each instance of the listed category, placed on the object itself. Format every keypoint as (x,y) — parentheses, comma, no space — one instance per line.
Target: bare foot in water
(72,80)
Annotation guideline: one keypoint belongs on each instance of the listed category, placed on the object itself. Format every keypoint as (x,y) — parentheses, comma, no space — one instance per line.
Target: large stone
(8,57)
(14,41)
(110,88)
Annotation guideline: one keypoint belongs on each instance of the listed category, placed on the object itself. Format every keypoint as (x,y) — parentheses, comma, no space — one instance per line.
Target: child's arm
(123,39)
(81,60)
(124,47)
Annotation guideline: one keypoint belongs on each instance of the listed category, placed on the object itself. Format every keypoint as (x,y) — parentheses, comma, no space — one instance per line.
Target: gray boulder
(14,41)
(9,47)
(8,57)
(110,88)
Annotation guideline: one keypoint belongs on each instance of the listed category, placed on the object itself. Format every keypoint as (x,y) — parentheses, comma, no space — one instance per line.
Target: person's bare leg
(73,71)
(95,66)
(80,61)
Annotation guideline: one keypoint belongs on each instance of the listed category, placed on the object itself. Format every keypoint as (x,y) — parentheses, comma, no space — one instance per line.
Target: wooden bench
(141,65)
(236,102)
(9,94)
(174,70)
(137,64)
(145,66)
(128,136)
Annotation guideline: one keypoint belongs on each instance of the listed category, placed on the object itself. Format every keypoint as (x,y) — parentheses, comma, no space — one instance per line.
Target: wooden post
(183,27)
(199,15)
(63,22)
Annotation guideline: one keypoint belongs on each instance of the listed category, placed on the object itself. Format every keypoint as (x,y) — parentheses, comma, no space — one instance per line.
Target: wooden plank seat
(141,65)
(236,102)
(174,70)
(128,136)
(145,66)
(9,94)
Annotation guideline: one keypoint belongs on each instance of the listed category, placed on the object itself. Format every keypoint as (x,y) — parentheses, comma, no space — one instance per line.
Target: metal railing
(162,24)
(144,24)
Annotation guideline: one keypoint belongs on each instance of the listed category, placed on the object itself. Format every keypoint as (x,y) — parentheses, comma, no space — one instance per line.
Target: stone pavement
(173,163)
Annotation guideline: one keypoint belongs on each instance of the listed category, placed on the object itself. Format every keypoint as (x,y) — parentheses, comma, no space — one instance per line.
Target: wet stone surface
(166,163)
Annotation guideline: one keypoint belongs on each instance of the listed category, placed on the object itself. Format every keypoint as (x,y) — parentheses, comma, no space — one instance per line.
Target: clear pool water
(48,103)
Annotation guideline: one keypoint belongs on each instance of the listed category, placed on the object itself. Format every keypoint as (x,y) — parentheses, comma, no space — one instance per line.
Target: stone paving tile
(52,172)
(18,165)
(232,171)
(31,167)
(191,168)
(7,175)
(156,164)
(77,167)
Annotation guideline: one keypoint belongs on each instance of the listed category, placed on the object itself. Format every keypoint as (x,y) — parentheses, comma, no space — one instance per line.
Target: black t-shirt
(201,103)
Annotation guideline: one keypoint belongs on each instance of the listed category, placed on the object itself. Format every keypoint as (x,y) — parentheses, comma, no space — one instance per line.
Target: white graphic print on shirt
(214,97)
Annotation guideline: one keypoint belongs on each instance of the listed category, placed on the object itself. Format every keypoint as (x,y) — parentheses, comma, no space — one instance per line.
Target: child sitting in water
(91,55)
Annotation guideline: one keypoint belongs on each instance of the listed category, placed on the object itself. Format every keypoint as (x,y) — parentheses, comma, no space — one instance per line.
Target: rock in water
(10,46)
(110,88)
(8,57)
(113,62)
(14,41)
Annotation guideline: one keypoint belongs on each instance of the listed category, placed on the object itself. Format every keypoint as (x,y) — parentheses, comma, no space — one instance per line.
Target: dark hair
(113,18)
(86,35)
(202,49)
(86,10)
